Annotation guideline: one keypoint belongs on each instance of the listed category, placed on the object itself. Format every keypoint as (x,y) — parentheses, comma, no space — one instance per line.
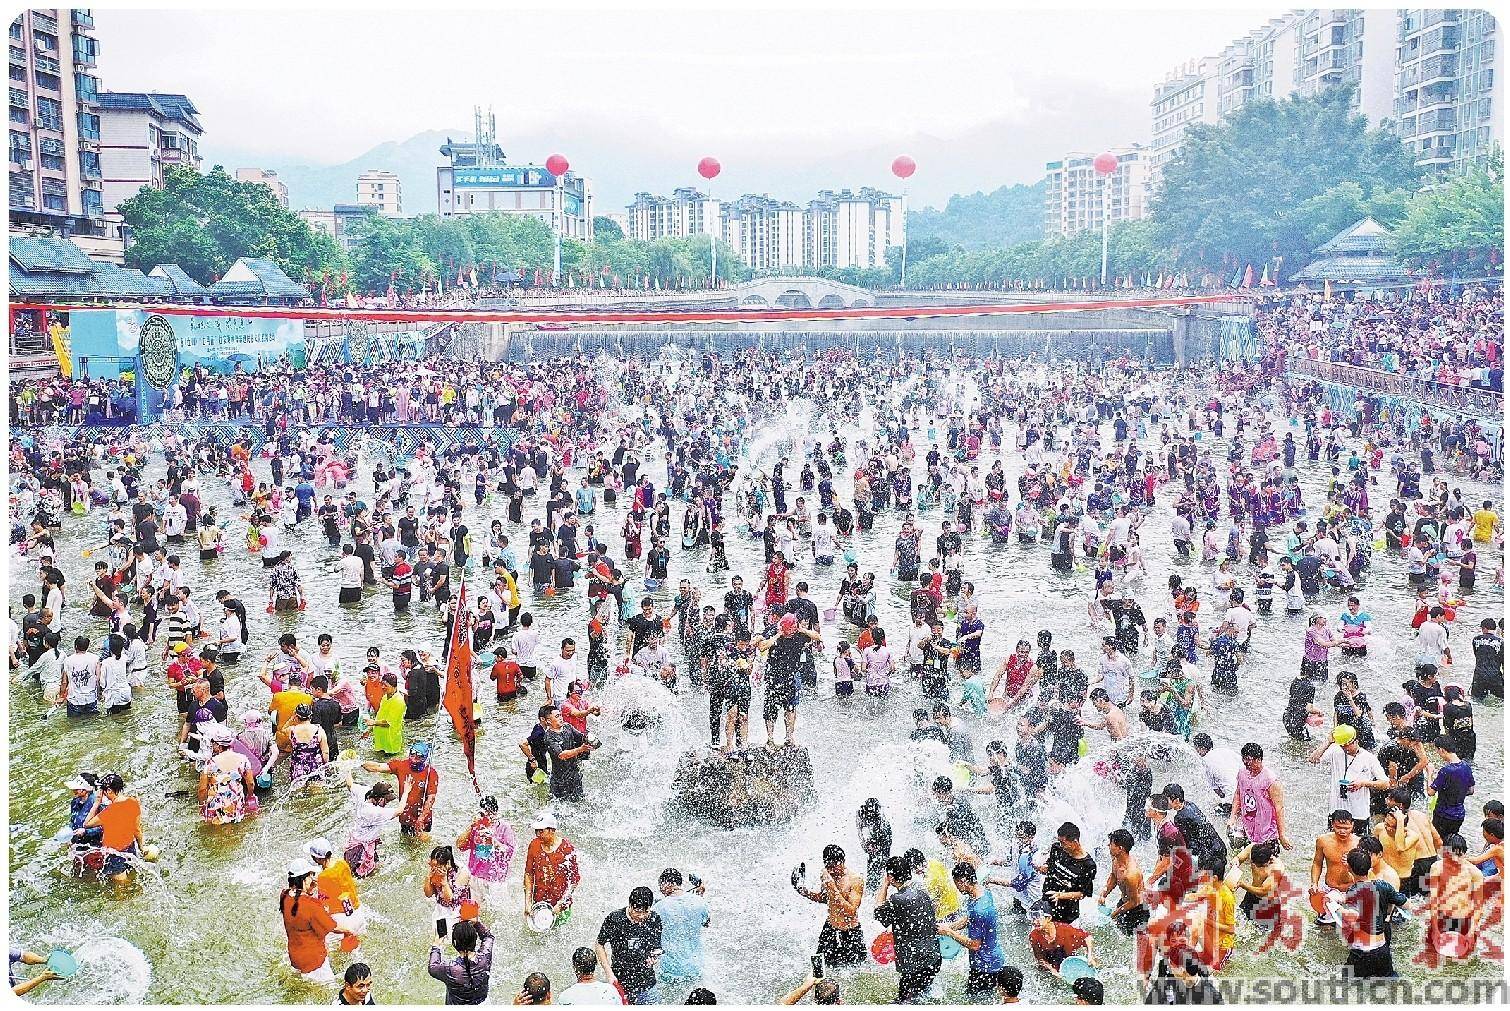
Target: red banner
(458,694)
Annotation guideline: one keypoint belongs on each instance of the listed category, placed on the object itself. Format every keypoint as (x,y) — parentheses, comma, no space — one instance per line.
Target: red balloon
(1106,164)
(709,167)
(557,165)
(903,167)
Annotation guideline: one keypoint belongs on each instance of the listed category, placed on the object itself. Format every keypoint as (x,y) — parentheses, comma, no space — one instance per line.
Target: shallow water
(207,925)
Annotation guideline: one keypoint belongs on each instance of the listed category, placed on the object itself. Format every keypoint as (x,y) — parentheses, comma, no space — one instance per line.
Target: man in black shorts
(841,941)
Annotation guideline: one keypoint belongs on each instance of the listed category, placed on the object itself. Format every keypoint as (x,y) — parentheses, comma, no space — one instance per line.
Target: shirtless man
(1331,857)
(1264,877)
(1410,841)
(1459,904)
(1112,719)
(1126,876)
(841,942)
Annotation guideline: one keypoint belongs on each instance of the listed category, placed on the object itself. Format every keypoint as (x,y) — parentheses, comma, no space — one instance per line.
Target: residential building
(478,181)
(142,135)
(1351,48)
(320,221)
(268,178)
(1188,95)
(1259,65)
(1449,101)
(848,229)
(1076,193)
(55,174)
(380,189)
(686,212)
(767,234)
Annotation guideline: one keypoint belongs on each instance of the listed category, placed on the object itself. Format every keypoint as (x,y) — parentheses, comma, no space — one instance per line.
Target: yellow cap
(1343,734)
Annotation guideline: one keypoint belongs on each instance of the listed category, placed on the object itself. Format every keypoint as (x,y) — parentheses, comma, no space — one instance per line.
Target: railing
(1463,398)
(18,55)
(83,19)
(44,23)
(47,64)
(18,98)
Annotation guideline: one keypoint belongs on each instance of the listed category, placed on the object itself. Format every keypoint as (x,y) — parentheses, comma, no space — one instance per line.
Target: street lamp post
(708,168)
(557,166)
(903,167)
(1105,165)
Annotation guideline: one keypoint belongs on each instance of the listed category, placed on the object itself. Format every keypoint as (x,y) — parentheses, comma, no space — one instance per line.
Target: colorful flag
(1263,282)
(1237,278)
(1248,277)
(1326,290)
(458,694)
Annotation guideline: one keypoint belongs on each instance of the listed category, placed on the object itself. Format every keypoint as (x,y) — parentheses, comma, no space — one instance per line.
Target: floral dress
(226,800)
(306,760)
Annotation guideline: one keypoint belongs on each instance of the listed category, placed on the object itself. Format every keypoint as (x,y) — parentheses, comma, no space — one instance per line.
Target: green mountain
(1004,217)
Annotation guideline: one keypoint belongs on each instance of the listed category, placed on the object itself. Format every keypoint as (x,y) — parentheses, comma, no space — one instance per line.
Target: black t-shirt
(327,716)
(909,914)
(1202,838)
(630,946)
(641,628)
(1069,874)
(1488,653)
(408,532)
(441,571)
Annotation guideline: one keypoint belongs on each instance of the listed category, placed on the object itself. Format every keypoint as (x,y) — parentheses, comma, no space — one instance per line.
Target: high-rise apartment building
(767,234)
(268,178)
(1447,94)
(852,229)
(1188,95)
(55,173)
(380,189)
(686,212)
(839,229)
(142,135)
(1075,193)
(1434,76)
(1351,48)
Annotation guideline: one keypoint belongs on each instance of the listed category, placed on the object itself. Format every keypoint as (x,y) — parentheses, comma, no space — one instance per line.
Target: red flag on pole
(458,694)
(1248,277)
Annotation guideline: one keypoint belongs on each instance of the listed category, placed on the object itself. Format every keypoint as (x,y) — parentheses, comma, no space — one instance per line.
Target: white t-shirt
(1431,642)
(1240,618)
(594,993)
(1116,677)
(352,570)
(230,635)
(525,642)
(1354,768)
(115,686)
(823,541)
(83,681)
(1221,772)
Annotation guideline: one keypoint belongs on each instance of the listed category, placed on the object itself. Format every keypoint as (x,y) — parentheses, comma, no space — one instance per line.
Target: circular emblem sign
(159,351)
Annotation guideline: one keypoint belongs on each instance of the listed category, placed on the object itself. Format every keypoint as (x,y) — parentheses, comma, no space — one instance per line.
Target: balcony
(86,88)
(48,64)
(19,98)
(20,156)
(44,23)
(83,19)
(85,51)
(89,126)
(18,55)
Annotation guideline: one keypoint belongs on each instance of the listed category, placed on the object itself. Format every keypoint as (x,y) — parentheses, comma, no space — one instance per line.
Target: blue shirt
(982,927)
(683,918)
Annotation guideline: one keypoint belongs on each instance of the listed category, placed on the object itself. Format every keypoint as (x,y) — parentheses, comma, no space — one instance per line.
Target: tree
(1460,223)
(606,229)
(385,245)
(205,223)
(1240,192)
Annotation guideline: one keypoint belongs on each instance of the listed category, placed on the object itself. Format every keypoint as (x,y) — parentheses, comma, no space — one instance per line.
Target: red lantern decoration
(709,167)
(557,165)
(903,167)
(1106,164)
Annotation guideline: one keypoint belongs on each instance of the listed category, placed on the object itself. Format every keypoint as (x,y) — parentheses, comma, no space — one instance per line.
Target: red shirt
(426,785)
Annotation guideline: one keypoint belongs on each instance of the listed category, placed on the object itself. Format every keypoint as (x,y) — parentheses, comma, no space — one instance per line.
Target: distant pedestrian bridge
(799,293)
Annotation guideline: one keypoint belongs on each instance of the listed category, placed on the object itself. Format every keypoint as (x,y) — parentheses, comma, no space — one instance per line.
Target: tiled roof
(44,253)
(174,107)
(1353,268)
(1363,238)
(178,283)
(271,282)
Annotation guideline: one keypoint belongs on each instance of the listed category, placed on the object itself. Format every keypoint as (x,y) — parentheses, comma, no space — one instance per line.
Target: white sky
(326,86)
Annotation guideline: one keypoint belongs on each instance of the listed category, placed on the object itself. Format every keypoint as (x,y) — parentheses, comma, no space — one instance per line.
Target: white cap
(300,867)
(543,820)
(78,783)
(319,849)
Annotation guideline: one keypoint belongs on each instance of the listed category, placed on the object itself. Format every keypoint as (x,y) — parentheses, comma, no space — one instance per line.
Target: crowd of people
(612,476)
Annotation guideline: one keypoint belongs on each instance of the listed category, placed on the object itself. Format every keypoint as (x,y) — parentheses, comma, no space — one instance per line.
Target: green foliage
(606,229)
(204,223)
(1132,248)
(385,245)
(1007,216)
(1249,187)
(1462,219)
